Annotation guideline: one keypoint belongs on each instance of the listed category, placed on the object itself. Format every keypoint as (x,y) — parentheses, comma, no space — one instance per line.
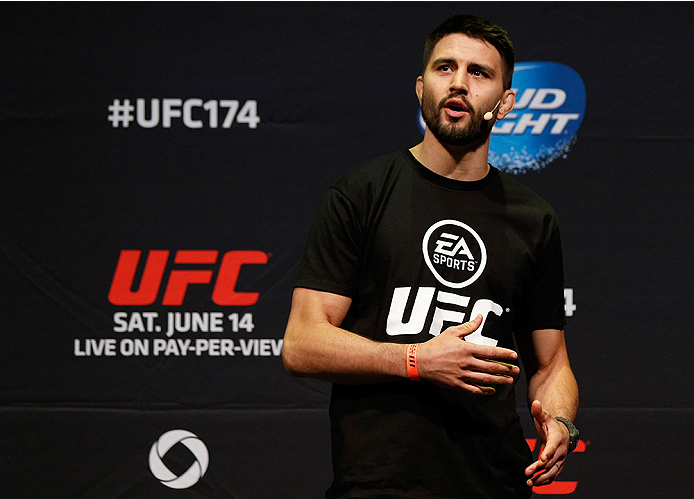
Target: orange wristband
(412,371)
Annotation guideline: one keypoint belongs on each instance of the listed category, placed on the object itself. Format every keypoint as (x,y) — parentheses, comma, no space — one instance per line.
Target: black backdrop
(90,378)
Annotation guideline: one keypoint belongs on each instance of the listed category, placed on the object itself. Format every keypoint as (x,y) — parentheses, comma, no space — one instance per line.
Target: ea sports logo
(454,253)
(194,472)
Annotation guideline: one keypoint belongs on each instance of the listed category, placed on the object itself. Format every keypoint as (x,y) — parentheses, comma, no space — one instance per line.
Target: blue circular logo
(550,105)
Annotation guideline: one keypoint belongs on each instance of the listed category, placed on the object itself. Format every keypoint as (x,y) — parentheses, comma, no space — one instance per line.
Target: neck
(467,163)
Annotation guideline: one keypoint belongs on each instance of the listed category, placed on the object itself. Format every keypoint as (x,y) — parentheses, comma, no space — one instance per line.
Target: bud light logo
(550,105)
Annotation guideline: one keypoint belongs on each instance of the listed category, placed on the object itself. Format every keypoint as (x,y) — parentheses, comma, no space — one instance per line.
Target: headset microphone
(490,114)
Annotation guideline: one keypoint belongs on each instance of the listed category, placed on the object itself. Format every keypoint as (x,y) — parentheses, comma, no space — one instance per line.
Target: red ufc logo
(557,487)
(224,292)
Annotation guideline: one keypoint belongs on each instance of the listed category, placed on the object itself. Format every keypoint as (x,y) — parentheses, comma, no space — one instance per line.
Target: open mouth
(455,108)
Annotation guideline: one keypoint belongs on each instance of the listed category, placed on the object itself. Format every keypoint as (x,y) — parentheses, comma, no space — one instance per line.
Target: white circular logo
(196,470)
(454,253)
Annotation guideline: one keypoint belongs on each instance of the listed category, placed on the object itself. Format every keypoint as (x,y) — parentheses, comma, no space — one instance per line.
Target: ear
(419,88)
(507,103)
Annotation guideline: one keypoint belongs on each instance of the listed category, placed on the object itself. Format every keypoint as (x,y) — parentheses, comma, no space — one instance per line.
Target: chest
(436,258)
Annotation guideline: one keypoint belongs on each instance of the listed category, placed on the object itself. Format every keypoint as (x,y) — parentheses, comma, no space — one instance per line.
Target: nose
(459,83)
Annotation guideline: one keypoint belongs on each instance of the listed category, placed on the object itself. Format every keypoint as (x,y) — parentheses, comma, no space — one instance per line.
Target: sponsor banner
(162,164)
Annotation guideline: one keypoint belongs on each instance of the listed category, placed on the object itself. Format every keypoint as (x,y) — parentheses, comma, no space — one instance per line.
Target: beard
(454,134)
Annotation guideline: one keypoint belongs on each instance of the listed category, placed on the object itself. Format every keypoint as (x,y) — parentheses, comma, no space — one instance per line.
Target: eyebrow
(474,65)
(442,60)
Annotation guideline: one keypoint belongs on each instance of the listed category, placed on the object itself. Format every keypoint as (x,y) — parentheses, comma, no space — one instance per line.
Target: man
(423,239)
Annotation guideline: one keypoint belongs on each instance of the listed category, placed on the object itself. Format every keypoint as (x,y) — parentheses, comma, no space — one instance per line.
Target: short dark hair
(475,27)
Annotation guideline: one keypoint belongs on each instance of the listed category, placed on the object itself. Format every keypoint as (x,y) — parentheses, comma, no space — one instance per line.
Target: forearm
(550,379)
(315,345)
(556,387)
(330,353)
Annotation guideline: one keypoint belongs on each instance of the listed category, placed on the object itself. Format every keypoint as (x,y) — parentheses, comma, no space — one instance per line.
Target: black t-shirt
(417,253)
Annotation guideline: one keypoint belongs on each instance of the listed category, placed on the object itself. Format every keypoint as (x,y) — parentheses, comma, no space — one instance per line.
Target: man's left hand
(555,439)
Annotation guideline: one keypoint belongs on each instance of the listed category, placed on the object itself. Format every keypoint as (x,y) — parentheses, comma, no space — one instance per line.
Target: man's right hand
(449,361)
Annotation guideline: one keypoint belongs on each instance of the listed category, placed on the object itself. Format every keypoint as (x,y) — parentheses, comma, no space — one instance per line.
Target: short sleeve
(543,306)
(332,255)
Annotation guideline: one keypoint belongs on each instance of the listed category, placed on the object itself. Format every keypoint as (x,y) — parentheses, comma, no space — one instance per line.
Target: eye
(445,67)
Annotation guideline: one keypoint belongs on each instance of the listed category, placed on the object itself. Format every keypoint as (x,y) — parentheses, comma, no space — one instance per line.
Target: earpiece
(490,114)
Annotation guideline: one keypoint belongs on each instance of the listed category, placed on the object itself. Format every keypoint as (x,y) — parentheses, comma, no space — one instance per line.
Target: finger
(540,416)
(499,355)
(556,446)
(497,367)
(467,327)
(484,390)
(546,461)
(545,475)
(484,378)
(548,453)
(509,367)
(551,450)
(537,412)
(471,387)
(535,468)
